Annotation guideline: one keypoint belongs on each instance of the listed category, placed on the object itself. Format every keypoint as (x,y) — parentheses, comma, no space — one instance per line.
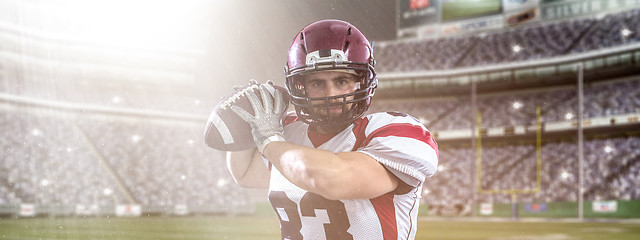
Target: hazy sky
(250,39)
(232,41)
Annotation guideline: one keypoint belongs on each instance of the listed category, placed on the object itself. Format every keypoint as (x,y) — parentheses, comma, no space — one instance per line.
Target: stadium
(535,105)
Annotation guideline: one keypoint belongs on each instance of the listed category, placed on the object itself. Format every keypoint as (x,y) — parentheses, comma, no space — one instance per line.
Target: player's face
(328,84)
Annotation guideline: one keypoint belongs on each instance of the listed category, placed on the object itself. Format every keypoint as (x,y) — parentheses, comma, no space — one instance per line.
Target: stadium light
(568,116)
(36,132)
(516,48)
(222,182)
(136,138)
(517,105)
(107,191)
(150,24)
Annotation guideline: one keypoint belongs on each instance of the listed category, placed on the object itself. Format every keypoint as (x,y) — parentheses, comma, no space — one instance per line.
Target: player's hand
(266,123)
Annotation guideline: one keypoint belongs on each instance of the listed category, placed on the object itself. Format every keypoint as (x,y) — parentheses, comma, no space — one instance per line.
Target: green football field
(267,228)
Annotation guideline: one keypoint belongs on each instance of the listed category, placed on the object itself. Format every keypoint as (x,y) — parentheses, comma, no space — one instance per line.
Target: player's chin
(332,112)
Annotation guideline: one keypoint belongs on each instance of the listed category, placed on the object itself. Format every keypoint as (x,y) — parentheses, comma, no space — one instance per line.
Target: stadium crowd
(602,99)
(75,159)
(56,159)
(529,42)
(612,171)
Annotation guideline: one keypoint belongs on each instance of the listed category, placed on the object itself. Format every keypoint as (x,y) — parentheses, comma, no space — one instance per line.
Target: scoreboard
(437,18)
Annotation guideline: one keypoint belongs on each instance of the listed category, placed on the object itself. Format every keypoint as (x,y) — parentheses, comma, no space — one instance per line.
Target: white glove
(266,124)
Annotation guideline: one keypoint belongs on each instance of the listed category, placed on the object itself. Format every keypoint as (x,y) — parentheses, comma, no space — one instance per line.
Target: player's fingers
(246,116)
(255,103)
(266,98)
(278,101)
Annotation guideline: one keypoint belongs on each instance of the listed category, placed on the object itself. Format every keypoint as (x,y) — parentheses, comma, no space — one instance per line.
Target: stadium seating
(45,163)
(609,174)
(602,99)
(533,41)
(69,162)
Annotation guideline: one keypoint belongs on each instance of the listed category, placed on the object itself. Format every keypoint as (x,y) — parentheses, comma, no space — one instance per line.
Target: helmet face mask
(332,45)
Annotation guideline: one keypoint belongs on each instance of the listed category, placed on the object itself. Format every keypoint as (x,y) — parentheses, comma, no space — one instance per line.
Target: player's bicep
(365,177)
(248,169)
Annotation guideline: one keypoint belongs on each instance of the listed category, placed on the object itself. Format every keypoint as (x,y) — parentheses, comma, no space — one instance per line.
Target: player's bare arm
(248,169)
(347,175)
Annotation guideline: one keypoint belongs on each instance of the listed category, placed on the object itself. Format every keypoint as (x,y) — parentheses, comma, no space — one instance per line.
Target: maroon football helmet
(331,45)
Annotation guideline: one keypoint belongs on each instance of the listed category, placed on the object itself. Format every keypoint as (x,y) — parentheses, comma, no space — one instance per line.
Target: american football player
(332,171)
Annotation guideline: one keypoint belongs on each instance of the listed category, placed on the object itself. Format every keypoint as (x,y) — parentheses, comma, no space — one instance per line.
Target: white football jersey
(396,140)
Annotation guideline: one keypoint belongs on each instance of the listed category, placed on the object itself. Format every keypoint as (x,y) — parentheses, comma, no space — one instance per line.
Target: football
(225,130)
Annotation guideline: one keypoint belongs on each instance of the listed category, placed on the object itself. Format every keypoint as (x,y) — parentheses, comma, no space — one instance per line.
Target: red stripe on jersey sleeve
(404,130)
(387,215)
